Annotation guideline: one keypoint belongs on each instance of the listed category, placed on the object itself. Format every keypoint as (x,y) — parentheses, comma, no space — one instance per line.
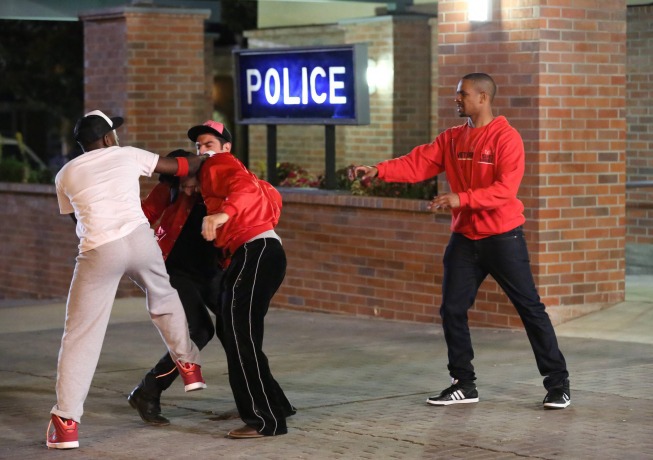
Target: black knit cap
(94,125)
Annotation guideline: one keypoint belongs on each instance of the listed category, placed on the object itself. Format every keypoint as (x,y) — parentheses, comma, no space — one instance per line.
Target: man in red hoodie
(484,163)
(242,212)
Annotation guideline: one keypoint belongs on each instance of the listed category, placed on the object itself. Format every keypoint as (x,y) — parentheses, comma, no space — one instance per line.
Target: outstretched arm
(176,166)
(421,163)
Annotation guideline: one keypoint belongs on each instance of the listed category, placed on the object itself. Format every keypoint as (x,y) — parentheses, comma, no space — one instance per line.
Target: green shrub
(43,176)
(12,170)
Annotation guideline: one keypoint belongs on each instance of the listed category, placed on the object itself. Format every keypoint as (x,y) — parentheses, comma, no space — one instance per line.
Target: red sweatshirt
(253,205)
(173,216)
(484,166)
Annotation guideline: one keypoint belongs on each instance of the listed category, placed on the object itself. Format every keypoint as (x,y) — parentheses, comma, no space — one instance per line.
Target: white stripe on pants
(90,300)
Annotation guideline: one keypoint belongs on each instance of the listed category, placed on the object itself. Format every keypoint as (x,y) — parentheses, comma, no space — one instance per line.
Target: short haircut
(484,82)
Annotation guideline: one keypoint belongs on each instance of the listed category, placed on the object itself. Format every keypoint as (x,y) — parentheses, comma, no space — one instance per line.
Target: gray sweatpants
(92,292)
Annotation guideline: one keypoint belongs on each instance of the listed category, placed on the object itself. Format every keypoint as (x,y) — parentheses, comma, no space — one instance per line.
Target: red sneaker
(64,435)
(192,375)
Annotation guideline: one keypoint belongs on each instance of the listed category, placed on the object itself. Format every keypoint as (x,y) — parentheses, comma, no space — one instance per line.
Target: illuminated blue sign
(302,85)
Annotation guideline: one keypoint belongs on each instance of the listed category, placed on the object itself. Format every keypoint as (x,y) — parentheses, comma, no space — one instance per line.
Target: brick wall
(361,256)
(639,159)
(581,158)
(378,257)
(560,70)
(371,143)
(105,67)
(412,85)
(38,249)
(148,65)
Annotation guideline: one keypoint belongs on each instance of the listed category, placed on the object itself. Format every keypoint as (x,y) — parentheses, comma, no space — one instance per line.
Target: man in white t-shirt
(101,190)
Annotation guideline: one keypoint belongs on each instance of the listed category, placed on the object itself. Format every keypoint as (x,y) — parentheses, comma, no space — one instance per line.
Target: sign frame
(361,105)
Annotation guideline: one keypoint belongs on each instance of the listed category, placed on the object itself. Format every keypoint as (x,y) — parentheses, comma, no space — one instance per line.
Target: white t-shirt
(102,188)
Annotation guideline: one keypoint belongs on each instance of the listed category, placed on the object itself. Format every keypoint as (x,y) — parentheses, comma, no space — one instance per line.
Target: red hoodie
(488,191)
(253,205)
(173,216)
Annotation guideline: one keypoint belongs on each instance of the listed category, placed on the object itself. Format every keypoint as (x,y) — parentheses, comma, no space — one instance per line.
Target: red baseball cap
(210,127)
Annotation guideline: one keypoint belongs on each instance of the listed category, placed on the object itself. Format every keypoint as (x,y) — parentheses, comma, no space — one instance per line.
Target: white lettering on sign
(319,98)
(274,84)
(287,98)
(272,74)
(304,85)
(252,86)
(333,85)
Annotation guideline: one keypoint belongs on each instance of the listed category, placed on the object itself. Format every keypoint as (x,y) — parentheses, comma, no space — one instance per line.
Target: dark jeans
(196,296)
(505,257)
(252,278)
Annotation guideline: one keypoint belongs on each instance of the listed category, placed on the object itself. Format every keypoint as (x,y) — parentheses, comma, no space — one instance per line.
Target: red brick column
(561,71)
(152,67)
(148,65)
(639,159)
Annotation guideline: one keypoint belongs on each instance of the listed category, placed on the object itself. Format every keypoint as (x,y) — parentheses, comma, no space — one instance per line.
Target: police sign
(324,85)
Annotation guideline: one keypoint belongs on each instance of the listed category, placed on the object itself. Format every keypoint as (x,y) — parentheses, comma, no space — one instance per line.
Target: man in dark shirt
(192,265)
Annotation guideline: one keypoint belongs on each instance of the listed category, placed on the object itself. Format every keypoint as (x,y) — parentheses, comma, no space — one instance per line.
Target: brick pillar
(640,139)
(152,67)
(561,74)
(148,65)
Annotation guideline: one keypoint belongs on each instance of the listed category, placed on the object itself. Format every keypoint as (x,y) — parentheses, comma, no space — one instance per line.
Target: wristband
(182,166)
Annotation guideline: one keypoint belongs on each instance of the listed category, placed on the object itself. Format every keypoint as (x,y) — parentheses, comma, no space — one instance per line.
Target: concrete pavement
(359,384)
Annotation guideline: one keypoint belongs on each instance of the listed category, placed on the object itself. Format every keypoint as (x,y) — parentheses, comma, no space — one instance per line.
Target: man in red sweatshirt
(484,163)
(242,212)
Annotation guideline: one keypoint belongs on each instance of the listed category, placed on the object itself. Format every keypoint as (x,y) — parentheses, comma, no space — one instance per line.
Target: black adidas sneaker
(457,393)
(557,398)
